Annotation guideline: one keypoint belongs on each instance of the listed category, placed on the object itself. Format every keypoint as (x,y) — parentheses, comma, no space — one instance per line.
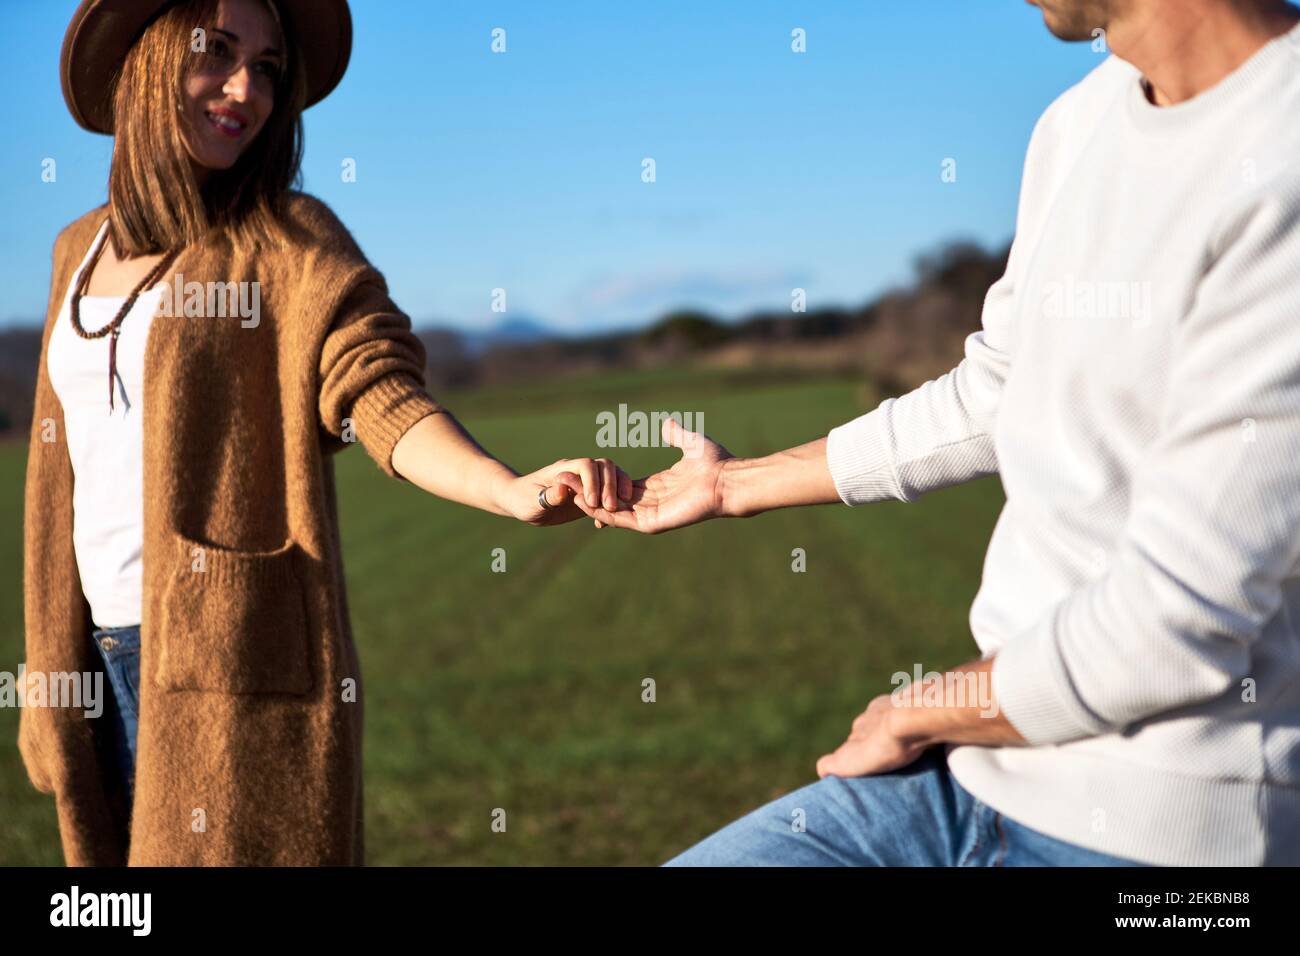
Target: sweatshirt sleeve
(1214,523)
(372,374)
(941,433)
(938,434)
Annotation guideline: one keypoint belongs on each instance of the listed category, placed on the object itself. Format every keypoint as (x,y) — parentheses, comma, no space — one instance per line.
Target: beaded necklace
(113,327)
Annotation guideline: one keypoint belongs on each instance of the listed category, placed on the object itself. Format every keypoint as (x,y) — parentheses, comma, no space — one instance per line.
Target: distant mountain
(509,332)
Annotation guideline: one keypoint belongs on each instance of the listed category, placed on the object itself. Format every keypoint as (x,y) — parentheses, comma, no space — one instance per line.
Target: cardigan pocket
(234,622)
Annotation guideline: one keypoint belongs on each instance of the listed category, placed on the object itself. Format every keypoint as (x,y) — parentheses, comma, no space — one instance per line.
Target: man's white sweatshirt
(1136,385)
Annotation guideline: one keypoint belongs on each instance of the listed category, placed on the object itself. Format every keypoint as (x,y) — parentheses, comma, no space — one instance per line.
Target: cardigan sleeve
(55,613)
(371,374)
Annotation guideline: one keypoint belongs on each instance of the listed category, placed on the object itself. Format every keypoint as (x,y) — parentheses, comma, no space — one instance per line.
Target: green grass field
(523,690)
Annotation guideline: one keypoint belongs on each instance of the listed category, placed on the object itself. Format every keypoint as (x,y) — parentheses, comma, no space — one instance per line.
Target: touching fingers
(616,519)
(589,471)
(567,485)
(608,484)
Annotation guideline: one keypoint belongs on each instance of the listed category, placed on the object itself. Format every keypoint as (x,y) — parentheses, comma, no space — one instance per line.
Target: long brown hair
(155,201)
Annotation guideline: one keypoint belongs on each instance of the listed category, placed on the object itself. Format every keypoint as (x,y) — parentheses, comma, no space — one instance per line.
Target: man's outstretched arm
(709,482)
(936,435)
(786,479)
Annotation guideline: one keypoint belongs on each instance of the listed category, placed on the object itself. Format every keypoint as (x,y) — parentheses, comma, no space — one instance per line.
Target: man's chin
(1068,31)
(1064,26)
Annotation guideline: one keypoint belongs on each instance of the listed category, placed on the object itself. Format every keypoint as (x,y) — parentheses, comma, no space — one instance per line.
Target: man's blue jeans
(916,816)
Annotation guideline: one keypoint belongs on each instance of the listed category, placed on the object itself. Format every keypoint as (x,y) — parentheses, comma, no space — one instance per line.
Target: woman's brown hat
(102,31)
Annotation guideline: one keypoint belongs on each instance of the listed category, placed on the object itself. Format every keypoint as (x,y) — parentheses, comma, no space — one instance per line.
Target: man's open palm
(687,493)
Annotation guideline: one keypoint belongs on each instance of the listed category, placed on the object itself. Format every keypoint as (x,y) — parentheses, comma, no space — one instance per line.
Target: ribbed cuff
(385,411)
(861,461)
(1033,690)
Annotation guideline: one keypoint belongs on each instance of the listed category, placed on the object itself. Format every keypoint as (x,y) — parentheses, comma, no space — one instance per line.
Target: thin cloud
(643,296)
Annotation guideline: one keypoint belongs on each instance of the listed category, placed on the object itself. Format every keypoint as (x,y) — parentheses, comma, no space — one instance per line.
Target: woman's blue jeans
(119,649)
(915,816)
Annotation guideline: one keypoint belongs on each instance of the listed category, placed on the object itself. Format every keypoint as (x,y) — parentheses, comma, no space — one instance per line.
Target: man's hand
(688,492)
(874,745)
(710,482)
(957,707)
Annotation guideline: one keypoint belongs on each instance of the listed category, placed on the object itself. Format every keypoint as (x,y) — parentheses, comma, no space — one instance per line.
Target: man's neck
(1184,47)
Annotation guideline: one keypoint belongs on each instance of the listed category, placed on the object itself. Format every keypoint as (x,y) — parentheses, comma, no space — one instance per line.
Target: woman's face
(230,93)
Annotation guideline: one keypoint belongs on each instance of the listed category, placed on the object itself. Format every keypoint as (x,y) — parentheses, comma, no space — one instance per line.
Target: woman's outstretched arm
(440,456)
(371,384)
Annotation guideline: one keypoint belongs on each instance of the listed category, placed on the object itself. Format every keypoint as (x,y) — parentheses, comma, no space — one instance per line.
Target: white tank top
(106,449)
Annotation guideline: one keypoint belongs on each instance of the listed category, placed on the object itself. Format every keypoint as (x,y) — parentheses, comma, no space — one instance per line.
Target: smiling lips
(227,122)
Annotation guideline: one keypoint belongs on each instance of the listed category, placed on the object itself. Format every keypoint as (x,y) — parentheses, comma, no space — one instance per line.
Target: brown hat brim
(102,31)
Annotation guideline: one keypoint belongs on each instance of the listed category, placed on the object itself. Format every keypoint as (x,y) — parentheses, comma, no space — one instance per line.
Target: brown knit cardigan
(249,746)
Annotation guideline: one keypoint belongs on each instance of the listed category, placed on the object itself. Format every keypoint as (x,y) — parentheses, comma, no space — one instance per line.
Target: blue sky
(522,170)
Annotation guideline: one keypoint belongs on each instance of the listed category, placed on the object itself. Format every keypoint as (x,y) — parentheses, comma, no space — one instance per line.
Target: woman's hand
(597,482)
(440,456)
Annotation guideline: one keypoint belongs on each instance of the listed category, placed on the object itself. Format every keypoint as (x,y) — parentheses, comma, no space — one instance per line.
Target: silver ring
(541,499)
